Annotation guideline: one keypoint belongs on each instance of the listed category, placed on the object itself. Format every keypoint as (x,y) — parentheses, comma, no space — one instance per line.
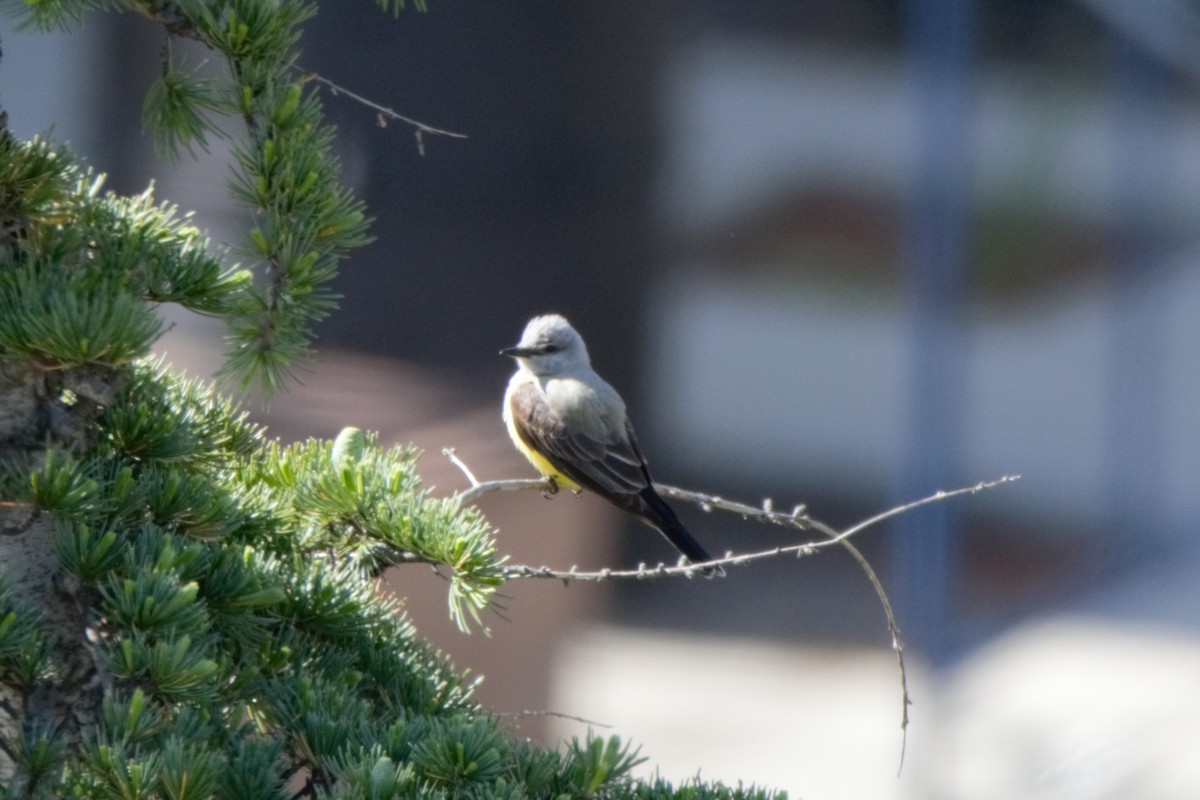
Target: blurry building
(837,252)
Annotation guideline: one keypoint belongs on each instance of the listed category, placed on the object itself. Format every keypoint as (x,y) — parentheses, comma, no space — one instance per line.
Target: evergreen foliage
(283,172)
(188,610)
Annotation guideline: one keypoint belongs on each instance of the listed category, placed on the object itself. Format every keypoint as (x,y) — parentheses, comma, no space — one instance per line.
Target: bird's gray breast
(589,407)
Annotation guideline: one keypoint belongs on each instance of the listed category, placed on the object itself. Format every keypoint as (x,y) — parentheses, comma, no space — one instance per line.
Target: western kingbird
(572,427)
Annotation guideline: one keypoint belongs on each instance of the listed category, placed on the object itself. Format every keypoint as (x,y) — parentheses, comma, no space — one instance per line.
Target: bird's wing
(610,466)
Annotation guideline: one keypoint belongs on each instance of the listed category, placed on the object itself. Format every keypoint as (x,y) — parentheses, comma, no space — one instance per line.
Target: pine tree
(187,609)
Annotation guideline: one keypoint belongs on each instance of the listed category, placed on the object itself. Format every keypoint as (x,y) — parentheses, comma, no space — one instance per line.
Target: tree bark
(67,695)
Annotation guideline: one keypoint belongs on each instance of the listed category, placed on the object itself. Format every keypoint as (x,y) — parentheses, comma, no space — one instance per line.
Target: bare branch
(452,454)
(936,497)
(897,643)
(740,559)
(176,23)
(383,113)
(797,518)
(478,489)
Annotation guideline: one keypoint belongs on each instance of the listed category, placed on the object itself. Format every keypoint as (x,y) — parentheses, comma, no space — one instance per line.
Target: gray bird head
(549,346)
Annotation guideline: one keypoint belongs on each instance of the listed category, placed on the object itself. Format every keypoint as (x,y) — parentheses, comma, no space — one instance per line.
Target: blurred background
(836,252)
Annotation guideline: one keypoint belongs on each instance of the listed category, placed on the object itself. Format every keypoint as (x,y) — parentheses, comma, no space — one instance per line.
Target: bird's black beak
(516,352)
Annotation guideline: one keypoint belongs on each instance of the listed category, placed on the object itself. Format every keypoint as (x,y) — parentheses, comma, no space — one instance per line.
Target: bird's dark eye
(549,348)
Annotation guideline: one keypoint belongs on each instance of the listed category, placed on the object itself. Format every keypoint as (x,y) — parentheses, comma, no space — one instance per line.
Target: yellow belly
(539,463)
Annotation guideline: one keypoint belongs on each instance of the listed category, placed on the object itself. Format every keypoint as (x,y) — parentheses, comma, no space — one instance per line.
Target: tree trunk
(66,696)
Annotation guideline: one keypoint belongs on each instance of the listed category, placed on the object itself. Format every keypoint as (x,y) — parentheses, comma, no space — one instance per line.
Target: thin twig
(739,559)
(924,501)
(478,489)
(383,112)
(176,23)
(797,518)
(897,643)
(452,454)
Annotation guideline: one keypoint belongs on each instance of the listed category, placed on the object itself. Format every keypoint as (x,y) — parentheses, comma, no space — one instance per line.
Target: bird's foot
(551,488)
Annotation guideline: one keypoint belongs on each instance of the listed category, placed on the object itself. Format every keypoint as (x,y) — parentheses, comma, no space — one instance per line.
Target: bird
(573,427)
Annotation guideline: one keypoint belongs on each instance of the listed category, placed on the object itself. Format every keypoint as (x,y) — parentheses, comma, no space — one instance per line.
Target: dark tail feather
(656,512)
